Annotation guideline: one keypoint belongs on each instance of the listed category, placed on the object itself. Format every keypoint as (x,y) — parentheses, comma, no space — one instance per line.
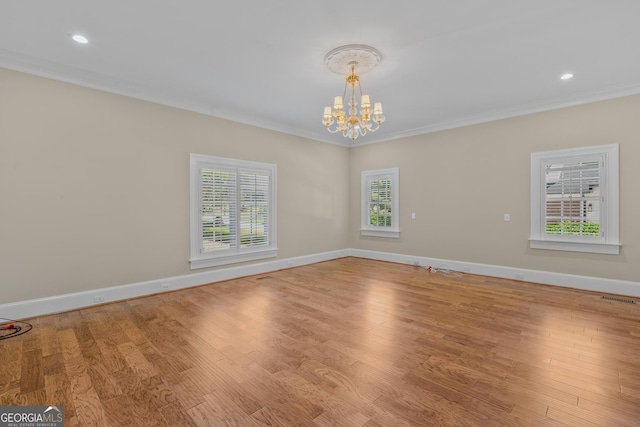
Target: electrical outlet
(520,276)
(98,299)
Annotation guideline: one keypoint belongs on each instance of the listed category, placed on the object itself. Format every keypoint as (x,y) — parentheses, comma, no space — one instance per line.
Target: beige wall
(461,182)
(94,187)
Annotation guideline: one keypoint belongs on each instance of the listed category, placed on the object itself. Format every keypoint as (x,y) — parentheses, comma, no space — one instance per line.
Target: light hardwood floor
(349,342)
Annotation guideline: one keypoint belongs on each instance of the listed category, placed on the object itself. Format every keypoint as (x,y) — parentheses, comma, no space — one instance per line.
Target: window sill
(394,234)
(232,259)
(596,248)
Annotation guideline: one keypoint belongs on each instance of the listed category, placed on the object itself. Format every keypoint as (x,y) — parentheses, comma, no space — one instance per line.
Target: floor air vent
(627,300)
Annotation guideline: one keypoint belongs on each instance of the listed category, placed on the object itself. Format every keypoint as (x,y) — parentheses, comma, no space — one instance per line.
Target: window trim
(365,228)
(199,260)
(610,213)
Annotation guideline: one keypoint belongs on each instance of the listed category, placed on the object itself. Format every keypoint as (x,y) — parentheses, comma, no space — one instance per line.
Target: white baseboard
(588,283)
(66,302)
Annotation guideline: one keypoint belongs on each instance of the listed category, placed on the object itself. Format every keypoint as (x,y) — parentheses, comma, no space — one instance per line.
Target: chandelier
(352,123)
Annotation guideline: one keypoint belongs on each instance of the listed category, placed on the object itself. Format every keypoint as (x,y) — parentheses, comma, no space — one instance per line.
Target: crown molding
(586,97)
(60,72)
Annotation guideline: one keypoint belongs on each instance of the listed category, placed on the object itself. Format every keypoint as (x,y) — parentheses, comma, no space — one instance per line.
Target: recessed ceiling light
(80,38)
(566,76)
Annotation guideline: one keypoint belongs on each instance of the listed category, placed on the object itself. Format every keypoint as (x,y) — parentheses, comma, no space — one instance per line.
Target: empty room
(334,214)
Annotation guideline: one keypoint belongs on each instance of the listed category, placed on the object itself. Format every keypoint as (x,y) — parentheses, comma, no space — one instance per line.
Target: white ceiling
(446,63)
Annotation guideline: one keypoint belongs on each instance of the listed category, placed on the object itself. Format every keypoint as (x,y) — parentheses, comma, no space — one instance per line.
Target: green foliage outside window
(222,233)
(578,228)
(380,220)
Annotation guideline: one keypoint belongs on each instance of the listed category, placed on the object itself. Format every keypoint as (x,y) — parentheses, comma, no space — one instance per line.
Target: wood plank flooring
(349,342)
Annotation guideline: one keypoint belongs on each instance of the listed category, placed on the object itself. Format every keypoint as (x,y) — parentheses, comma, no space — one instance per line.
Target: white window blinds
(233,211)
(380,203)
(379,196)
(573,198)
(254,208)
(218,209)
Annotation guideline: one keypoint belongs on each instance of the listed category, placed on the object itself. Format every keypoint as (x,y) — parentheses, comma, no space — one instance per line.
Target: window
(233,211)
(380,213)
(574,200)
